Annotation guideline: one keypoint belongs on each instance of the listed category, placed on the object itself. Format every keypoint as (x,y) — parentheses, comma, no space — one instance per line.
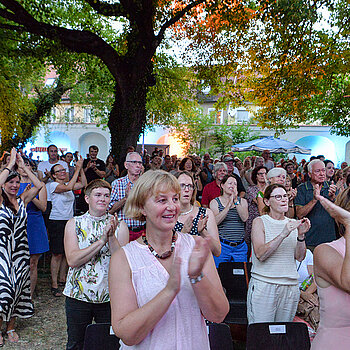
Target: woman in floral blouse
(89,241)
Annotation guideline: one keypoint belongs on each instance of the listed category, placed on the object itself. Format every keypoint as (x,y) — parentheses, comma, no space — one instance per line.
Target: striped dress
(232,227)
(14,264)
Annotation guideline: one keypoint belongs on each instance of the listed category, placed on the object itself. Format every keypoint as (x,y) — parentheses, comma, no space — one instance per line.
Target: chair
(97,337)
(235,277)
(220,336)
(278,336)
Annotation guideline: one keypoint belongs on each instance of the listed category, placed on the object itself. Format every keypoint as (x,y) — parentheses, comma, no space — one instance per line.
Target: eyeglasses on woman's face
(60,171)
(278,197)
(186,186)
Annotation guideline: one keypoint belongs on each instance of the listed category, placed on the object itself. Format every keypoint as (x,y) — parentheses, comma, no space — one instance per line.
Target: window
(69,114)
(87,114)
(237,115)
(218,115)
(242,115)
(53,115)
(50,82)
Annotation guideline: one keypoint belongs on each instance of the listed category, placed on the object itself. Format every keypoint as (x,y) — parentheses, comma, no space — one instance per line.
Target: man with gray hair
(120,190)
(322,224)
(212,189)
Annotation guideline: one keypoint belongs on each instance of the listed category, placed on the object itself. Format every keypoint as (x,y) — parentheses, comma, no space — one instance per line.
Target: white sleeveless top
(182,327)
(89,282)
(280,267)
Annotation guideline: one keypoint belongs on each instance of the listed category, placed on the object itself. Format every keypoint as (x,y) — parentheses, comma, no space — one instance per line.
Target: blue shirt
(322,224)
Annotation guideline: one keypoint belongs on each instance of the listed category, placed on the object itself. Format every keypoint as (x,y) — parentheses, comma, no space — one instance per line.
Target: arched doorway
(319,145)
(93,138)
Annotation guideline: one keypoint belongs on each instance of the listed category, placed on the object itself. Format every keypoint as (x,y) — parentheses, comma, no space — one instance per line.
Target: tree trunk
(128,115)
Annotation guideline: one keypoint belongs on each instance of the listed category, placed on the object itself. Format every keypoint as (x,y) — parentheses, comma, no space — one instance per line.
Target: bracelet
(7,169)
(237,203)
(300,240)
(197,279)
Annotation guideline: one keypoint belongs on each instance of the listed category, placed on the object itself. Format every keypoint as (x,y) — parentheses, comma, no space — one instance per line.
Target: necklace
(165,254)
(187,212)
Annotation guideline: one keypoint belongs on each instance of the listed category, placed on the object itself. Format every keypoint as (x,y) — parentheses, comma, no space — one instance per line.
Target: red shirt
(210,191)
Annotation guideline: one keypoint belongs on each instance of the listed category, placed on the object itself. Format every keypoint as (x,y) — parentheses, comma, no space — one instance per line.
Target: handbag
(309,312)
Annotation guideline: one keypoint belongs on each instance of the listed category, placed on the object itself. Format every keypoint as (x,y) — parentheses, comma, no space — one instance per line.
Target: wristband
(237,203)
(197,279)
(7,169)
(301,240)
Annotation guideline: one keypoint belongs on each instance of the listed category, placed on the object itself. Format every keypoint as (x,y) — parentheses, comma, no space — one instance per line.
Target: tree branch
(176,17)
(106,9)
(76,40)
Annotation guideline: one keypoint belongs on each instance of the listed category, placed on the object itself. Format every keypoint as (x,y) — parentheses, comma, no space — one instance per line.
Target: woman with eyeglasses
(231,212)
(14,252)
(195,220)
(277,241)
(62,198)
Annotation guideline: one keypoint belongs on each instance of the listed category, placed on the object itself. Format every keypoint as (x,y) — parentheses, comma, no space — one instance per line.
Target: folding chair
(220,336)
(278,336)
(98,337)
(235,277)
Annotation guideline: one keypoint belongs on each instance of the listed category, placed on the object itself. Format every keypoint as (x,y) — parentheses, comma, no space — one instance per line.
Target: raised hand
(290,226)
(292,194)
(304,227)
(13,155)
(332,190)
(198,256)
(109,229)
(127,189)
(317,191)
(19,161)
(47,173)
(202,223)
(235,194)
(188,224)
(79,164)
(174,281)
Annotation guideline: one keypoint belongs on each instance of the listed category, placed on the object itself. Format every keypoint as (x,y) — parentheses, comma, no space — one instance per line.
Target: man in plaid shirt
(121,188)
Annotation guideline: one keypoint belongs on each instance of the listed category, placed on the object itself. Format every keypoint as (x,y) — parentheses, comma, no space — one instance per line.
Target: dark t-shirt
(322,224)
(90,173)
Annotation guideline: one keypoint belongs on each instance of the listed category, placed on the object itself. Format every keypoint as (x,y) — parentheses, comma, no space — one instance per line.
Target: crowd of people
(138,247)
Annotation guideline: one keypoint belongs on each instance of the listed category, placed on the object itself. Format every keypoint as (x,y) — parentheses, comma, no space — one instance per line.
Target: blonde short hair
(151,183)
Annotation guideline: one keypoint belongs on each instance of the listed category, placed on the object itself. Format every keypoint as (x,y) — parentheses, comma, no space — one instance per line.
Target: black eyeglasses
(260,173)
(188,186)
(60,171)
(134,162)
(278,197)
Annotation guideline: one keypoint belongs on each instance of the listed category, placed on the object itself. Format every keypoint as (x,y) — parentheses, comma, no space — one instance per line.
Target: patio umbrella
(272,144)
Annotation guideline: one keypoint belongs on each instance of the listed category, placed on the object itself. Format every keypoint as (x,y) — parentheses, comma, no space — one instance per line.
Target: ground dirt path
(46,330)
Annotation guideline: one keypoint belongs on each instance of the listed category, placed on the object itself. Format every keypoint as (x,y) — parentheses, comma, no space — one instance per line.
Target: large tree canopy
(291,58)
(268,52)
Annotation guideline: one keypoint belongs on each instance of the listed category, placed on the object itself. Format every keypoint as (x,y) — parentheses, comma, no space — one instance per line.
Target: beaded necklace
(165,254)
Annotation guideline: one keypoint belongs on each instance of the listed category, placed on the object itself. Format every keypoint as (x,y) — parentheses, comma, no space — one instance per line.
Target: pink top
(334,328)
(182,327)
